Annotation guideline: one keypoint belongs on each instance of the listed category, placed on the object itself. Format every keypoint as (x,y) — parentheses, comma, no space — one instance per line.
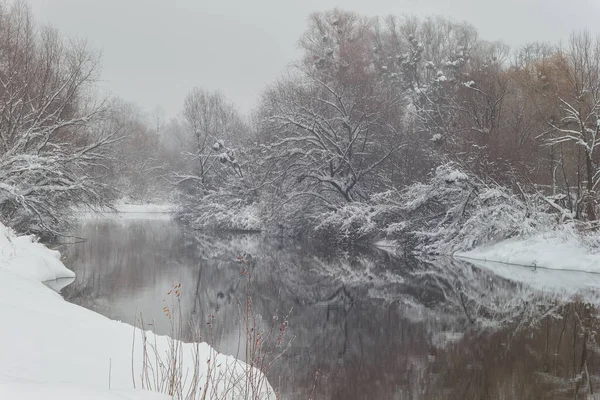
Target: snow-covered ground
(564,282)
(557,250)
(130,211)
(17,389)
(144,208)
(52,349)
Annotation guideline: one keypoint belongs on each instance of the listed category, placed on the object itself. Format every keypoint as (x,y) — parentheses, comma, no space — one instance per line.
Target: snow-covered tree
(455,85)
(214,129)
(579,104)
(50,139)
(215,190)
(335,123)
(138,165)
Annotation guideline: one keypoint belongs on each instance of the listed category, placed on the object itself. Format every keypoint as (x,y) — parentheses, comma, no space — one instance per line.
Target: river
(345,326)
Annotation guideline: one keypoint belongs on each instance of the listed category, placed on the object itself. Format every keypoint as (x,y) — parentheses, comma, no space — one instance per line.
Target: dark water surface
(370,326)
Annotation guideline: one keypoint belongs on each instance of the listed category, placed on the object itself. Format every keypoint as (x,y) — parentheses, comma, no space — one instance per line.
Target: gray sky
(155,51)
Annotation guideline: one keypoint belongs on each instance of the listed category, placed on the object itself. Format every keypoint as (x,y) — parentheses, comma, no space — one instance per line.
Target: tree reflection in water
(368,326)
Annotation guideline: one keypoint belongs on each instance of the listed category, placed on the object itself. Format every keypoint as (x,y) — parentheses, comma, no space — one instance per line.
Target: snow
(392,247)
(436,137)
(129,211)
(387,244)
(566,282)
(454,176)
(556,250)
(43,264)
(223,215)
(25,390)
(144,208)
(55,349)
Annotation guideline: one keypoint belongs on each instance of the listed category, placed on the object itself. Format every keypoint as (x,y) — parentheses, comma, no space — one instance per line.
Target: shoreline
(56,349)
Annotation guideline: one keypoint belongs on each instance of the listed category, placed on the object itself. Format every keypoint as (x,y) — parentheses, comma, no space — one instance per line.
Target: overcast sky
(155,51)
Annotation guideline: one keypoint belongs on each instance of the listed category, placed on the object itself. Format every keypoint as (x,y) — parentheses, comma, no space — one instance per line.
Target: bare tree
(580,109)
(215,127)
(138,165)
(48,141)
(335,124)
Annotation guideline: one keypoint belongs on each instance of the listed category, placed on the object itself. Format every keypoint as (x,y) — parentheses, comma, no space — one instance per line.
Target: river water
(347,326)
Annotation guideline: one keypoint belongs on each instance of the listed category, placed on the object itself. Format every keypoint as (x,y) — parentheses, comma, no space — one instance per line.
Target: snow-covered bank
(54,349)
(144,208)
(21,255)
(15,389)
(557,250)
(129,211)
(557,281)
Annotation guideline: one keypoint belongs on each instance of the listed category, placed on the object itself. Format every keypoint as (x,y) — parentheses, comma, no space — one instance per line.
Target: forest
(388,128)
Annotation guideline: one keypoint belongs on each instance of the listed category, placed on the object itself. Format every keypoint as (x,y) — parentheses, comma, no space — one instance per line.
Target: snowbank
(24,257)
(130,211)
(55,349)
(553,250)
(564,282)
(24,390)
(144,208)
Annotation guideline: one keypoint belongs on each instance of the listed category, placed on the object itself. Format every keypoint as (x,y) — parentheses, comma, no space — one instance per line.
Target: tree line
(374,105)
(360,120)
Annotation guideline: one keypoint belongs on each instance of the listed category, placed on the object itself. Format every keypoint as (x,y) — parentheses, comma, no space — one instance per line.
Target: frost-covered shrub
(492,214)
(217,213)
(223,197)
(352,223)
(575,233)
(221,210)
(454,211)
(292,219)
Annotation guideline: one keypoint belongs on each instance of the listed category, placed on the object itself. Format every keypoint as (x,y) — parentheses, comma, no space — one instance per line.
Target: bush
(221,210)
(456,212)
(351,224)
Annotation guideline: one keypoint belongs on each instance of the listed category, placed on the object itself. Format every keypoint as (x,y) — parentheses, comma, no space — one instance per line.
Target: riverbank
(150,208)
(124,211)
(558,250)
(54,349)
